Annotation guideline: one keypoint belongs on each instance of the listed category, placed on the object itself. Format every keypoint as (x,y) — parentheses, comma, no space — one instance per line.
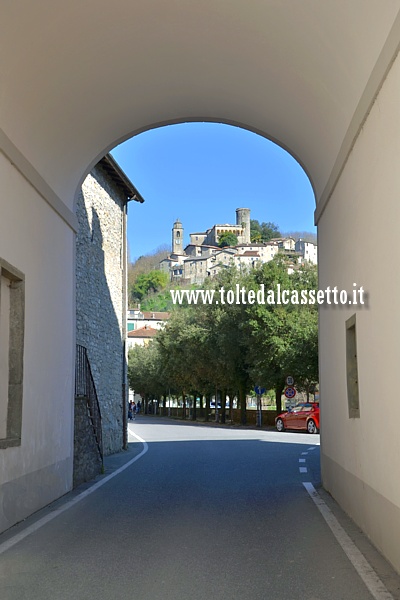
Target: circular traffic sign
(290,392)
(259,390)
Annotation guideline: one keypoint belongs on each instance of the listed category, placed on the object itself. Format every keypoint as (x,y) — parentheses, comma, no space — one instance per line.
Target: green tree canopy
(263,232)
(145,373)
(227,239)
(149,282)
(285,337)
(232,346)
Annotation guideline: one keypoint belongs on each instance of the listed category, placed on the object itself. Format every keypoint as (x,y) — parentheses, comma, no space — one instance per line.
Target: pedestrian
(130,410)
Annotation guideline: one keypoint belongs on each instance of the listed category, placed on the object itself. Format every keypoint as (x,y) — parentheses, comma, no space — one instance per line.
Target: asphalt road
(204,512)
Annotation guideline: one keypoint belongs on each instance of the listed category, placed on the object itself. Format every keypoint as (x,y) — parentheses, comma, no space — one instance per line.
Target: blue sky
(200,173)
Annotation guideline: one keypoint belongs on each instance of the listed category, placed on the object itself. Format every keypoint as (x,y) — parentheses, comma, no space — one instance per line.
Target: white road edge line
(358,560)
(58,511)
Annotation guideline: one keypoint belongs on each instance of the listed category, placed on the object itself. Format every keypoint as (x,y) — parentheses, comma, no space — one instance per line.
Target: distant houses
(203,258)
(141,337)
(143,326)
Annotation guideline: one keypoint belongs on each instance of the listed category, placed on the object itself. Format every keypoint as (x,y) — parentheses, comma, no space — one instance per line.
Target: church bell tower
(177,238)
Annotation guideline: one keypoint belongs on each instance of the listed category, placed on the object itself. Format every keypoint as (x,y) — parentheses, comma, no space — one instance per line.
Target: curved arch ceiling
(80,77)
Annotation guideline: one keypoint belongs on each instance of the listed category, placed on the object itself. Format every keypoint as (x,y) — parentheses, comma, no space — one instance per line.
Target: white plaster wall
(35,240)
(131,342)
(361,457)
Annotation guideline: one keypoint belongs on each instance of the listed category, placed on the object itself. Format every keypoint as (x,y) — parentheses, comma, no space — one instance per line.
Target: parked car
(302,417)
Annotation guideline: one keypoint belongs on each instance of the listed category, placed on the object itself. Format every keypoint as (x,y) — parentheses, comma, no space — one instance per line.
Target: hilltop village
(204,257)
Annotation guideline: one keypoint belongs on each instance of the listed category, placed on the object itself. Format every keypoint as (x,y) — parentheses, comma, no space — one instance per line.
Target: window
(352,368)
(12,310)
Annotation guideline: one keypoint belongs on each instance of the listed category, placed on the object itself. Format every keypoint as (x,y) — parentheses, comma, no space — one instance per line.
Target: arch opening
(213,167)
(115,146)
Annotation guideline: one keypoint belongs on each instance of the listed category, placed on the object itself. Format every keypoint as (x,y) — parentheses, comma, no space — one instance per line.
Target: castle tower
(243,220)
(177,238)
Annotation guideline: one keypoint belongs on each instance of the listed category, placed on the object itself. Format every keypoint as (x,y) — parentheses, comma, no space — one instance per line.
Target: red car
(302,417)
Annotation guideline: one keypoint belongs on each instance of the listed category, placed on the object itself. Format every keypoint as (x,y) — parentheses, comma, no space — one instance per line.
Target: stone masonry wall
(87,459)
(99,296)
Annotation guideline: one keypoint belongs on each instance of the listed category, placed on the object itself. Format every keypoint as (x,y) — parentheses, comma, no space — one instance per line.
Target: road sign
(259,390)
(289,380)
(290,392)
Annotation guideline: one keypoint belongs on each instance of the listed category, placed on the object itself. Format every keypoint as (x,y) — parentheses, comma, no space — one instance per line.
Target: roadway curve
(204,512)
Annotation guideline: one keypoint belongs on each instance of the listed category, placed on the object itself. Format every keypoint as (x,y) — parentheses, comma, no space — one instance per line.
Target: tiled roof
(144,332)
(249,253)
(157,316)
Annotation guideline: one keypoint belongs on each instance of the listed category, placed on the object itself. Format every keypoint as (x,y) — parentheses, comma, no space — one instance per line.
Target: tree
(285,337)
(229,346)
(227,239)
(145,373)
(263,232)
(303,352)
(149,282)
(145,264)
(178,345)
(230,341)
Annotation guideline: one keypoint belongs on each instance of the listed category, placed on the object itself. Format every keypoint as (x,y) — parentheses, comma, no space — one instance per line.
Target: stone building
(241,229)
(101,289)
(203,258)
(191,263)
(288,243)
